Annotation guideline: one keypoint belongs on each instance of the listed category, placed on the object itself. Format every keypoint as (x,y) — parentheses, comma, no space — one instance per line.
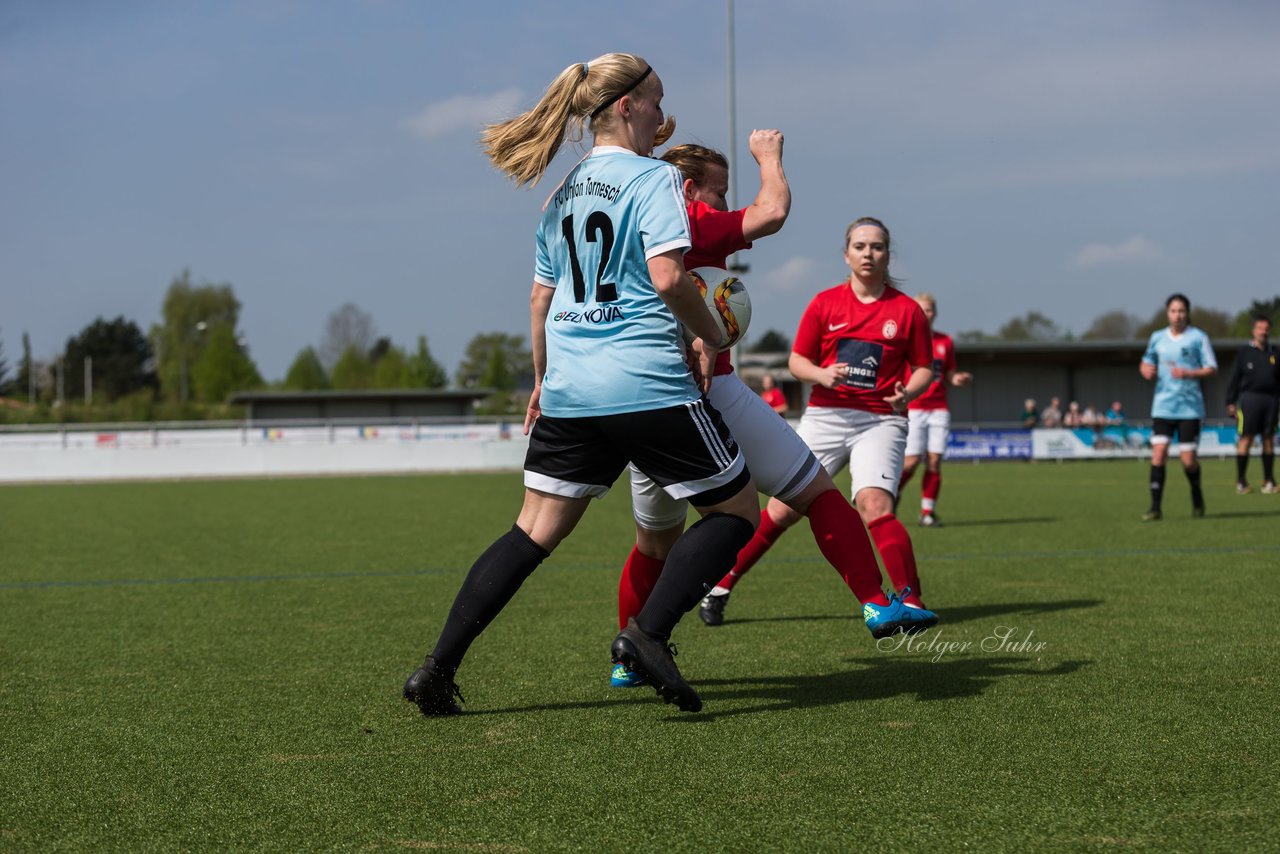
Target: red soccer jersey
(944,362)
(716,235)
(877,340)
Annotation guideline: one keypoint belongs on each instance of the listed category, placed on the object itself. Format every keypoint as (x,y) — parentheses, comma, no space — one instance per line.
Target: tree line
(1122,326)
(190,363)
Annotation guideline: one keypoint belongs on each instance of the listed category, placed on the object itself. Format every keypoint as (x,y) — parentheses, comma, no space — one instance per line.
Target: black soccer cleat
(711,609)
(432,689)
(652,657)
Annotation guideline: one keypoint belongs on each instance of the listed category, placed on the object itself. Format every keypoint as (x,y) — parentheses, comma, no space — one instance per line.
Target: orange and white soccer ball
(727,299)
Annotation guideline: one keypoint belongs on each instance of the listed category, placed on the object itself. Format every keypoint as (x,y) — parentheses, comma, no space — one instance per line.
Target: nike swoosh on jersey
(832,327)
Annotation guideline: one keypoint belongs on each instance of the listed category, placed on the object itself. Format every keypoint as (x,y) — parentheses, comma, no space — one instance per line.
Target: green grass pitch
(215,665)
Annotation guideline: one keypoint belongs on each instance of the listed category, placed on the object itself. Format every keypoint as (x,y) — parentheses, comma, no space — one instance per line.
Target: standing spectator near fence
(1029,417)
(1074,417)
(1051,415)
(1253,399)
(1115,415)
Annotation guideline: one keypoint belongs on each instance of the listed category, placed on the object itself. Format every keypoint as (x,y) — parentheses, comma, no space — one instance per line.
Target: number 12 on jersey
(599,230)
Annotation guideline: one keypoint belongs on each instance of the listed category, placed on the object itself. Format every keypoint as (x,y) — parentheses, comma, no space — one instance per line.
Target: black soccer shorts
(686,449)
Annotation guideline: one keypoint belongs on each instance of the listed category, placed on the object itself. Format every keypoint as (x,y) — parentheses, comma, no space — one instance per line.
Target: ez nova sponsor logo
(602,314)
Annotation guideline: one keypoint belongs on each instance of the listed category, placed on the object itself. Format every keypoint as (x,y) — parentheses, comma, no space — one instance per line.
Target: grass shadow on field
(879,678)
(643,695)
(1241,514)
(794,618)
(983,523)
(968,613)
(949,615)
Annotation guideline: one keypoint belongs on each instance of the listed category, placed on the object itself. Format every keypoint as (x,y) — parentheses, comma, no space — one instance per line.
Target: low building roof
(247,397)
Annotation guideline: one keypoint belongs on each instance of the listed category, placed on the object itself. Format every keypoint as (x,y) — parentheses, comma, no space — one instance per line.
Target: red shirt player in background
(772,395)
(855,344)
(930,419)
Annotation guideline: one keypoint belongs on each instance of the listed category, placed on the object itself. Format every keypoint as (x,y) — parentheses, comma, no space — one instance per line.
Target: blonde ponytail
(523,147)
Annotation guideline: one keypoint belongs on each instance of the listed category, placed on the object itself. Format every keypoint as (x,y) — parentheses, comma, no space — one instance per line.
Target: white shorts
(871,445)
(781,464)
(927,431)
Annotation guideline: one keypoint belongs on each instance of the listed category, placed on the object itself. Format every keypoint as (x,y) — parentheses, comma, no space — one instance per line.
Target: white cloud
(1135,250)
(463,112)
(795,274)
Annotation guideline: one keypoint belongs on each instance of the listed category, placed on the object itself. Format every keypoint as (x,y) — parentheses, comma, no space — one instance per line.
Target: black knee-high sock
(494,578)
(1157,486)
(699,559)
(1193,477)
(1269,467)
(1242,466)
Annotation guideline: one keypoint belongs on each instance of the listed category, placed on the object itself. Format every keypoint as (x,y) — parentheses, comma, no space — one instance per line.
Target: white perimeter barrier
(257,451)
(199,452)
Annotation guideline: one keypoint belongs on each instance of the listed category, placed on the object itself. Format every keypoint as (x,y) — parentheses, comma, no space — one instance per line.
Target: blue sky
(1066,158)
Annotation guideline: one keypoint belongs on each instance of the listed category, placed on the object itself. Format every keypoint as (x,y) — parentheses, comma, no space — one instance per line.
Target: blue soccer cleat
(885,620)
(918,619)
(621,677)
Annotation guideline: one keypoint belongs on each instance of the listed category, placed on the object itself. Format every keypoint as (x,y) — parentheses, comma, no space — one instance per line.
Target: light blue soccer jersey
(1178,398)
(613,346)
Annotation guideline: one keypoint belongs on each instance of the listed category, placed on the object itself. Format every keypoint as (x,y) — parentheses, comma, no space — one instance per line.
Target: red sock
(930,486)
(906,478)
(638,577)
(842,538)
(765,536)
(899,558)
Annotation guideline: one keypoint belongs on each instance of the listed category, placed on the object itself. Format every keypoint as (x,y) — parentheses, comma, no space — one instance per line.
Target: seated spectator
(1091,417)
(1029,415)
(1074,417)
(1052,414)
(773,395)
(1115,415)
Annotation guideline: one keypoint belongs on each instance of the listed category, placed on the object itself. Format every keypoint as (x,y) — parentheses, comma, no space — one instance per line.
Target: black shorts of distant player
(1187,431)
(1256,414)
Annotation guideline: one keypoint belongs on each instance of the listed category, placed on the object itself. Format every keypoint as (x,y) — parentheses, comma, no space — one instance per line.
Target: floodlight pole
(735,266)
(186,344)
(733,120)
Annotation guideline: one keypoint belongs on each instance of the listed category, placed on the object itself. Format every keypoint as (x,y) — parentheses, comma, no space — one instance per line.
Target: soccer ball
(727,299)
